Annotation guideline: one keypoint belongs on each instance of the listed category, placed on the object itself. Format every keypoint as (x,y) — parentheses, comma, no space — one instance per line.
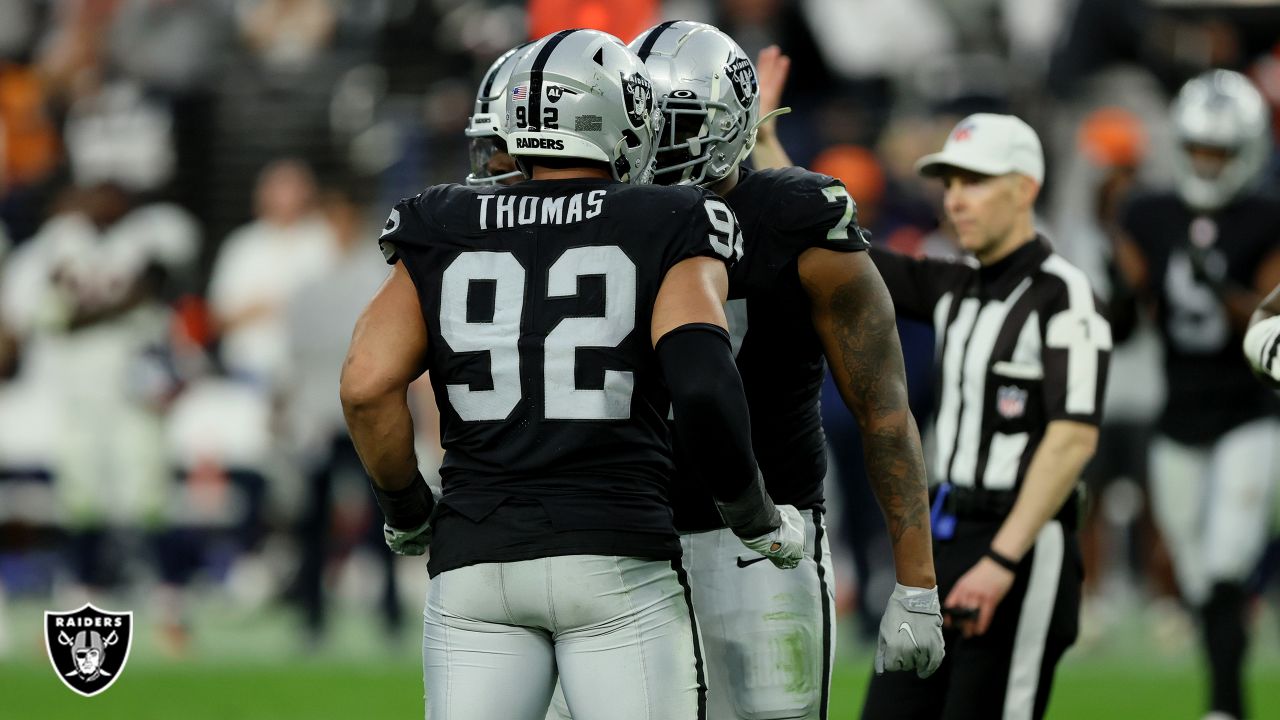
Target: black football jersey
(538,299)
(1209,386)
(782,213)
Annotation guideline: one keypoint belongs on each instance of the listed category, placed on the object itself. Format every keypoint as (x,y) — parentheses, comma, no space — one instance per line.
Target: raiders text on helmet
(528,143)
(583,94)
(708,93)
(486,119)
(1221,110)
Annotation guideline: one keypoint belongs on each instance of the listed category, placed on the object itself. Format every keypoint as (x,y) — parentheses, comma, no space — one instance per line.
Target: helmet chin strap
(772,114)
(705,130)
(493,179)
(751,141)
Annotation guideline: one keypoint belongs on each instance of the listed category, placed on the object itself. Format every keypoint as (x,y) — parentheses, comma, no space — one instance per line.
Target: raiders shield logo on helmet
(88,647)
(743,76)
(637,93)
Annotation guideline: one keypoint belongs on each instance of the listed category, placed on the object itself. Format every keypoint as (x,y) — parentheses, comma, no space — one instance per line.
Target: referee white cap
(989,145)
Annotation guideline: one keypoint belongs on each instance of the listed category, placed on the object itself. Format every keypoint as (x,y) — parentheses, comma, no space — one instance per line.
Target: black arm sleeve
(916,284)
(710,414)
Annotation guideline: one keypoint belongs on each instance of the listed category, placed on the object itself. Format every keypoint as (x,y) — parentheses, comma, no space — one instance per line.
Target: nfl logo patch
(1011,401)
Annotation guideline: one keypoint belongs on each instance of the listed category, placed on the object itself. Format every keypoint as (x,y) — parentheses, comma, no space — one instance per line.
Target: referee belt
(983,505)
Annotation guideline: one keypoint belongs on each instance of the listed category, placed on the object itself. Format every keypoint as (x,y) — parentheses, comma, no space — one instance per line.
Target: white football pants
(617,631)
(768,634)
(1213,504)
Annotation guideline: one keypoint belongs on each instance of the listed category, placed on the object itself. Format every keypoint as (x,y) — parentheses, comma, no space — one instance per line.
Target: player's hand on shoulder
(911,632)
(785,545)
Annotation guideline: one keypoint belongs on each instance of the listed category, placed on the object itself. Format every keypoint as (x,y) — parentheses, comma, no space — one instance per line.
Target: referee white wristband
(1261,346)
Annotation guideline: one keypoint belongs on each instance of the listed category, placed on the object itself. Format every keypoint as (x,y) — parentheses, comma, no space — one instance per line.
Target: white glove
(784,546)
(408,542)
(911,632)
(1260,347)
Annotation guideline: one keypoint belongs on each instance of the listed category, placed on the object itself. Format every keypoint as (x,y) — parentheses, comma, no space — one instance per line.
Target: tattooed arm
(853,315)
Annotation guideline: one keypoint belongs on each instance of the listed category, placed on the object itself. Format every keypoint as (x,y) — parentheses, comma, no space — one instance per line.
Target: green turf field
(252,668)
(338,690)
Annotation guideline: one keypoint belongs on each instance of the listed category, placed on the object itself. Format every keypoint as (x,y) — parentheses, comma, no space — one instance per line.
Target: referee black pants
(1006,673)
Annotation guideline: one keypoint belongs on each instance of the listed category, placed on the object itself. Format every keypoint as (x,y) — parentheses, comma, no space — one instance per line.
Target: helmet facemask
(490,163)
(691,148)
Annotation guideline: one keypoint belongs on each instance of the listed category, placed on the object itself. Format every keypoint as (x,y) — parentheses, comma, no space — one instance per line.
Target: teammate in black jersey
(549,314)
(804,291)
(1201,258)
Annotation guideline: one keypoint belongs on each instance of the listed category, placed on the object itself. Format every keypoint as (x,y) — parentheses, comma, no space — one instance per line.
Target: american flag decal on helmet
(521,92)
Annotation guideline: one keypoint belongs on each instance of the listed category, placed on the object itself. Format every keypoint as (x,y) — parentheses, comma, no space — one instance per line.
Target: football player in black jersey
(804,291)
(549,315)
(1201,257)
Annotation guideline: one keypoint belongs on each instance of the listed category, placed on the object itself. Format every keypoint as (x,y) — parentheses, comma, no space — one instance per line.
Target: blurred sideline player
(554,310)
(1201,258)
(805,289)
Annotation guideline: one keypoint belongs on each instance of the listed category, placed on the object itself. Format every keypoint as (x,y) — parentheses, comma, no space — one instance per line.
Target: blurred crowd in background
(190,195)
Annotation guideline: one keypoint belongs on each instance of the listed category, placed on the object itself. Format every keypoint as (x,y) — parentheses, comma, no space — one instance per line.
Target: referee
(1021,369)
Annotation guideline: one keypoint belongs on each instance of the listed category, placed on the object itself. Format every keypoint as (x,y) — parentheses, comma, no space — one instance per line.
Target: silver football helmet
(583,94)
(486,120)
(1219,111)
(708,91)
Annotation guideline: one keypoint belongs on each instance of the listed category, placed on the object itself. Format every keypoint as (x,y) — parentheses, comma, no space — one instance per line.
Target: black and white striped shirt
(1020,343)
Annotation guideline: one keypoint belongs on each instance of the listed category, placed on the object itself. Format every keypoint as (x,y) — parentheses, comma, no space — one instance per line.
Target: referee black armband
(407,508)
(712,421)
